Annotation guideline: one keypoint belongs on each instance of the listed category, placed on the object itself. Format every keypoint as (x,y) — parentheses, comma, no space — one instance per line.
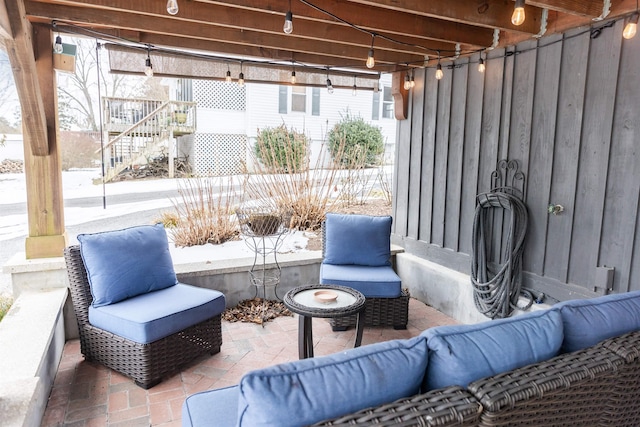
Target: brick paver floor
(86,394)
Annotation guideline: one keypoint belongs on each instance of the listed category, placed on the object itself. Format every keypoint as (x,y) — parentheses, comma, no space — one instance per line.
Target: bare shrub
(304,193)
(205,214)
(356,181)
(78,150)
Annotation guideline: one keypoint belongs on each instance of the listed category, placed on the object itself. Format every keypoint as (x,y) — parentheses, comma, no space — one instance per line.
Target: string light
(228,76)
(517,18)
(481,66)
(241,76)
(355,88)
(57,46)
(632,25)
(293,77)
(371,62)
(329,85)
(407,82)
(172,7)
(439,73)
(413,81)
(148,67)
(288,22)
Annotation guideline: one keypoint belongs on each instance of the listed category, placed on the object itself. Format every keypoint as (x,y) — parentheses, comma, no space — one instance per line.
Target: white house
(229,117)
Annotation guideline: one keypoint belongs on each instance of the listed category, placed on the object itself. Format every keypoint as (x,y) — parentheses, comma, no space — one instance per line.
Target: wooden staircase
(139,130)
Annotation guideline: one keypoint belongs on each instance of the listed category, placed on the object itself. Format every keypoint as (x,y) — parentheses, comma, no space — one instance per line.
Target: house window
(387,103)
(315,101)
(282,100)
(375,109)
(298,99)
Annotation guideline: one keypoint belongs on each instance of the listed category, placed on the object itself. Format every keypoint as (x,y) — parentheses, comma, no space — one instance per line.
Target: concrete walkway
(85,394)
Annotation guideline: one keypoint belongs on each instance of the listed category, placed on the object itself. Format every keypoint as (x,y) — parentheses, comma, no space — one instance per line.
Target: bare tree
(78,102)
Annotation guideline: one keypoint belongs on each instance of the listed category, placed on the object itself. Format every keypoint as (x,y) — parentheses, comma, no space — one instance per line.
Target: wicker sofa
(577,364)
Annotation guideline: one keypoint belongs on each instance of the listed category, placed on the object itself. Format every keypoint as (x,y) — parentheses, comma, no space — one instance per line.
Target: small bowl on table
(325,296)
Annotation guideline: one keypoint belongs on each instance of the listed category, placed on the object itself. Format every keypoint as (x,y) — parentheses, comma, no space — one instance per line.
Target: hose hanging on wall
(498,287)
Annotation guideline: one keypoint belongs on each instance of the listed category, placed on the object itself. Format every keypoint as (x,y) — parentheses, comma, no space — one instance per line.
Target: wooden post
(30,52)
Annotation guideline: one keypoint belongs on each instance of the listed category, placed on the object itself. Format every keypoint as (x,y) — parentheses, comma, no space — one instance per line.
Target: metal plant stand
(265,232)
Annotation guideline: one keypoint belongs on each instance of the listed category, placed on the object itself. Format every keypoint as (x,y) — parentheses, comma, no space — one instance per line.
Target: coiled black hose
(497,288)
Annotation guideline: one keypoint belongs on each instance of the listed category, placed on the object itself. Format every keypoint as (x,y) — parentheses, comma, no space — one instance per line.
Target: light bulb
(148,68)
(407,82)
(632,27)
(288,23)
(57,47)
(355,90)
(329,86)
(439,73)
(172,7)
(228,77)
(241,80)
(481,66)
(413,82)
(517,18)
(371,62)
(293,77)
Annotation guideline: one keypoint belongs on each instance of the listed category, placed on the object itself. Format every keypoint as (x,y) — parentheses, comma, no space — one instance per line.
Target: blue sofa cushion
(373,282)
(357,239)
(461,354)
(311,390)
(589,321)
(155,315)
(212,407)
(124,263)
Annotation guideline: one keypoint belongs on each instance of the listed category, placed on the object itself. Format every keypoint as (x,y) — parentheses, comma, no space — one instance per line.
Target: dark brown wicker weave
(451,406)
(623,408)
(147,364)
(568,390)
(378,311)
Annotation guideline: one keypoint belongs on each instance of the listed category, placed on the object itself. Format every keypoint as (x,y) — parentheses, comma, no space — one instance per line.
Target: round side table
(301,300)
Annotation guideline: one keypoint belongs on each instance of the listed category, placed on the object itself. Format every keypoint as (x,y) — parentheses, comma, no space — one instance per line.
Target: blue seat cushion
(357,239)
(213,407)
(373,282)
(589,321)
(461,354)
(124,263)
(155,315)
(311,390)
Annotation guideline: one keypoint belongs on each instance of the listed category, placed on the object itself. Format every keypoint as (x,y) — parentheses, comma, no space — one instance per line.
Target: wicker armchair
(372,276)
(146,363)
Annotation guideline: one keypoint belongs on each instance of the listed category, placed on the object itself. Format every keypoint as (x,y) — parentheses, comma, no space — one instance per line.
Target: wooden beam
(400,96)
(376,19)
(204,31)
(592,9)
(21,55)
(488,13)
(5,24)
(45,204)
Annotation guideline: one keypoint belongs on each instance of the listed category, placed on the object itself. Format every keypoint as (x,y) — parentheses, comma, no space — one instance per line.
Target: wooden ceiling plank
(374,19)
(23,64)
(488,13)
(168,25)
(591,9)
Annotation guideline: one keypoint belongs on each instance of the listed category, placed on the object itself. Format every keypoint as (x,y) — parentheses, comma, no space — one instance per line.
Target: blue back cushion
(124,263)
(311,390)
(462,354)
(589,321)
(357,240)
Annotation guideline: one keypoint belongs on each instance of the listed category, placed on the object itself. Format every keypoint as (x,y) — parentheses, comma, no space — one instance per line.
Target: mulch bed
(256,310)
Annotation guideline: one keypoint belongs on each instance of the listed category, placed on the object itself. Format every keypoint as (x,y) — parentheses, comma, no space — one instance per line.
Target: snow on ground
(78,184)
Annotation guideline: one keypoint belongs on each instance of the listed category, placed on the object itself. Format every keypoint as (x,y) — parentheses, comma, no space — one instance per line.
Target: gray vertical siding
(567,108)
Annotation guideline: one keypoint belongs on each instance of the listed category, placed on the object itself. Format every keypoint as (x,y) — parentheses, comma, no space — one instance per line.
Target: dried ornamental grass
(205,214)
